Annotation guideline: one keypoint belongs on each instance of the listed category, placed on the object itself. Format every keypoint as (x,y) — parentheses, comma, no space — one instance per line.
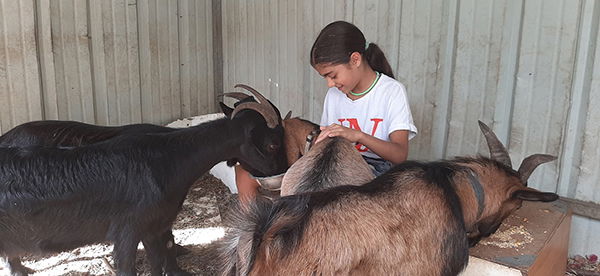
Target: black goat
(126,189)
(68,134)
(50,133)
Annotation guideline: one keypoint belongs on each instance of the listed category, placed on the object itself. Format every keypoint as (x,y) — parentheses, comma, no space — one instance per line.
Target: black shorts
(378,165)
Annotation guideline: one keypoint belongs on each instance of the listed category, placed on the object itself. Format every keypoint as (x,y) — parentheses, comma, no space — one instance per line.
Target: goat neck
(296,132)
(196,149)
(471,192)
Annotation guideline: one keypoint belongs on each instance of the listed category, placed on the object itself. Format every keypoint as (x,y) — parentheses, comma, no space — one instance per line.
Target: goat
(295,130)
(68,134)
(52,133)
(396,224)
(329,163)
(295,135)
(125,189)
(332,162)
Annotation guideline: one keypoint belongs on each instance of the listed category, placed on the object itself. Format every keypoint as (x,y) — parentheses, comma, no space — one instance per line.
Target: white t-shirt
(380,112)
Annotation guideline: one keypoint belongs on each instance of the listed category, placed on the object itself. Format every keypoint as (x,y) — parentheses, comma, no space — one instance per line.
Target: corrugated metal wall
(530,68)
(19,78)
(105,62)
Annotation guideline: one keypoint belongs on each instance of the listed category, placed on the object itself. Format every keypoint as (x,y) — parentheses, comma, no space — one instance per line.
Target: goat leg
(180,250)
(172,250)
(15,267)
(124,254)
(154,254)
(160,252)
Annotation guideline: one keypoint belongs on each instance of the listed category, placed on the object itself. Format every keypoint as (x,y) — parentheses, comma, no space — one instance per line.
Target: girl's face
(342,76)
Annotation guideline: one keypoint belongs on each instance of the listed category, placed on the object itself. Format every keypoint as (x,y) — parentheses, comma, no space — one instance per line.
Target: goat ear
(226,109)
(534,195)
(288,115)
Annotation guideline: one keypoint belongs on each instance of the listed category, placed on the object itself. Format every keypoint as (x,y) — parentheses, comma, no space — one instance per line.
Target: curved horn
(263,107)
(497,150)
(531,162)
(259,97)
(288,115)
(236,95)
(268,114)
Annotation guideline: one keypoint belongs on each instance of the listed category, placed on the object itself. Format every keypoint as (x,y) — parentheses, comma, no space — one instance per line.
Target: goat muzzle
(271,183)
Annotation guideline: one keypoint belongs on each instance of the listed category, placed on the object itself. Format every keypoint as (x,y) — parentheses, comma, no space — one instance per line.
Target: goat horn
(268,114)
(530,163)
(288,115)
(497,150)
(236,95)
(267,110)
(259,97)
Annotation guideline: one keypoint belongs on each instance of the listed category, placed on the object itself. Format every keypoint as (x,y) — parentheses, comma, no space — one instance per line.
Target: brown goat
(330,163)
(412,220)
(294,137)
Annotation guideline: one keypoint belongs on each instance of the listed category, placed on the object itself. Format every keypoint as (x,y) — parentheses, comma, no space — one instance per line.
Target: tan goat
(412,220)
(330,163)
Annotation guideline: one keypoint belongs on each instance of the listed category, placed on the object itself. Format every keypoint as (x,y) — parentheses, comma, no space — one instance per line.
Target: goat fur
(396,224)
(123,190)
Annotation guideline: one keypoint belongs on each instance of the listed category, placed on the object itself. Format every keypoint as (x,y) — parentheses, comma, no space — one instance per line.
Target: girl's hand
(335,130)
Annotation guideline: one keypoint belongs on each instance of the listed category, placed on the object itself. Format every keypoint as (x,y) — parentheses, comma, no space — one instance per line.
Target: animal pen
(529,69)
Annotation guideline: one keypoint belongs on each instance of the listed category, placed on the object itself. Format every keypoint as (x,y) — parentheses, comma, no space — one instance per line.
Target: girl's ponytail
(376,59)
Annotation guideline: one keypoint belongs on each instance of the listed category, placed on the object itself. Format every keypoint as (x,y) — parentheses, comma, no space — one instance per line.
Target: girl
(364,103)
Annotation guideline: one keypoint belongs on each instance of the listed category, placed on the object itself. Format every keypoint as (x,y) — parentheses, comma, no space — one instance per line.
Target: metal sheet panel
(476,73)
(196,55)
(584,238)
(422,49)
(544,78)
(106,62)
(70,41)
(159,60)
(587,186)
(266,45)
(115,61)
(19,72)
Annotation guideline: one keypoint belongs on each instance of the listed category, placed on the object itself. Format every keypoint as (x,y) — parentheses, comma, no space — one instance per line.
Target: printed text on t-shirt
(353,124)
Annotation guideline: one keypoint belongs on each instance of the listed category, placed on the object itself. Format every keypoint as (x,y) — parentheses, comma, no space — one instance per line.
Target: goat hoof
(21,271)
(180,250)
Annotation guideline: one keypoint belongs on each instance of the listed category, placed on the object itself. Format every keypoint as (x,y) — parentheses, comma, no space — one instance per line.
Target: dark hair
(338,40)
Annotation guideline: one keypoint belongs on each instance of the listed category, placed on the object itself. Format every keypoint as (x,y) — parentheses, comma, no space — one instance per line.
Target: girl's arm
(395,151)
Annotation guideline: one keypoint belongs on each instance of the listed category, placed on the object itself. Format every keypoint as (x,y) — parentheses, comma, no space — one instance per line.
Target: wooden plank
(583,208)
(552,260)
(534,240)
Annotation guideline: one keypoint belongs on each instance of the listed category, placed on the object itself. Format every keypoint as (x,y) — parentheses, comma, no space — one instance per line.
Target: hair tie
(367,45)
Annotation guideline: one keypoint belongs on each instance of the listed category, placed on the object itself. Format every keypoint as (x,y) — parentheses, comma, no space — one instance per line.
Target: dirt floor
(197,227)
